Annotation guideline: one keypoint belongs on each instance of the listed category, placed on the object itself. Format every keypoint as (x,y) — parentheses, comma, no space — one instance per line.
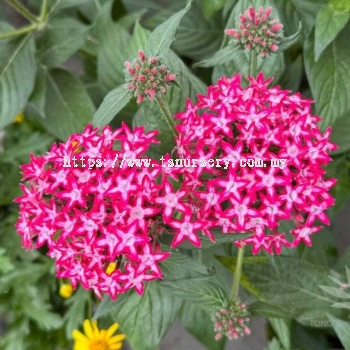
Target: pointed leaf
(163,36)
(289,41)
(227,54)
(342,328)
(112,104)
(17,75)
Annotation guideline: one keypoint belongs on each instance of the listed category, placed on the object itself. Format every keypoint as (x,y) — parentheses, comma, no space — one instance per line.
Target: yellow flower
(111,267)
(19,118)
(95,339)
(66,290)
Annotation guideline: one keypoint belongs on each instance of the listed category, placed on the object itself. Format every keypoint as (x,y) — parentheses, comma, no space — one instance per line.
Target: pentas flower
(232,322)
(230,127)
(257,31)
(147,77)
(100,222)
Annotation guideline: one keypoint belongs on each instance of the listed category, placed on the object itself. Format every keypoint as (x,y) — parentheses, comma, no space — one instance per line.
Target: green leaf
(139,40)
(264,309)
(111,55)
(198,322)
(289,41)
(296,289)
(204,292)
(342,328)
(282,328)
(17,75)
(196,37)
(339,5)
(329,23)
(228,53)
(274,344)
(68,106)
(112,104)
(58,5)
(146,319)
(163,36)
(210,7)
(36,103)
(75,315)
(328,78)
(61,40)
(340,133)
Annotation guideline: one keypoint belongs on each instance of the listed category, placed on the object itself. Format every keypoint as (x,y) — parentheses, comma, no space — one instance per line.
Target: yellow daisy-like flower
(95,339)
(66,290)
(19,118)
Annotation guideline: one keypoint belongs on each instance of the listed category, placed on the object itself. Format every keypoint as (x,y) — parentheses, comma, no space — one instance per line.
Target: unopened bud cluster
(147,77)
(232,322)
(257,32)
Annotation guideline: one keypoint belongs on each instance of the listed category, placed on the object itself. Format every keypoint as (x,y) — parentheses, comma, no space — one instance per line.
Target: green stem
(44,11)
(253,67)
(164,107)
(238,273)
(89,307)
(18,32)
(22,10)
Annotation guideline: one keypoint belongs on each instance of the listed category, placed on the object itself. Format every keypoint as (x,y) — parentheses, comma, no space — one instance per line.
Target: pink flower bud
(268,11)
(245,32)
(154,71)
(142,56)
(263,43)
(257,21)
(274,47)
(140,99)
(264,18)
(151,78)
(242,26)
(137,66)
(277,27)
(240,320)
(142,78)
(170,77)
(152,98)
(235,335)
(237,35)
(218,336)
(152,92)
(127,64)
(242,18)
(250,38)
(130,86)
(164,69)
(257,40)
(249,46)
(247,330)
(146,70)
(153,60)
(163,90)
(230,32)
(251,12)
(261,10)
(131,71)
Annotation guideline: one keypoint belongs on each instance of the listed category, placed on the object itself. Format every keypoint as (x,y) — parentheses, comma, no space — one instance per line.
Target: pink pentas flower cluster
(257,31)
(89,218)
(147,77)
(232,122)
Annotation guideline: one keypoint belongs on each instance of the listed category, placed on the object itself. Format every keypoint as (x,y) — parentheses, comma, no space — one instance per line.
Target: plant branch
(18,32)
(164,107)
(253,66)
(22,10)
(44,11)
(238,273)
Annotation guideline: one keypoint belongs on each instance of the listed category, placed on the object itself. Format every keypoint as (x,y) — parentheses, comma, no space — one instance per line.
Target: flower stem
(164,107)
(238,272)
(22,10)
(253,66)
(18,32)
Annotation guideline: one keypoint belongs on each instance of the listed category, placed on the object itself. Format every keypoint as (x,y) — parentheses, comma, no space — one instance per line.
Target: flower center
(99,345)
(137,213)
(170,200)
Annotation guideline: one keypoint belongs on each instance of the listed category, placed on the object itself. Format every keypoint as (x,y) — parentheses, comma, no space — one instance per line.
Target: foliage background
(59,77)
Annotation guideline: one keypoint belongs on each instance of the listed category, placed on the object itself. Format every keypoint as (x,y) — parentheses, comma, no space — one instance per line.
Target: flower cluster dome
(235,123)
(92,216)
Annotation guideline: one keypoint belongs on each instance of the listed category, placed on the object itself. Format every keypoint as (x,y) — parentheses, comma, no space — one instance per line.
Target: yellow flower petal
(112,329)
(117,338)
(95,329)
(88,330)
(79,336)
(116,346)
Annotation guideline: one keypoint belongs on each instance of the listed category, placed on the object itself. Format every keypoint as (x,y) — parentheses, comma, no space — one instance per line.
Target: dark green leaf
(341,133)
(282,328)
(68,106)
(112,53)
(228,53)
(265,309)
(342,328)
(329,23)
(17,75)
(210,7)
(61,40)
(112,104)
(163,36)
(145,320)
(139,40)
(328,78)
(274,344)
(36,103)
(199,323)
